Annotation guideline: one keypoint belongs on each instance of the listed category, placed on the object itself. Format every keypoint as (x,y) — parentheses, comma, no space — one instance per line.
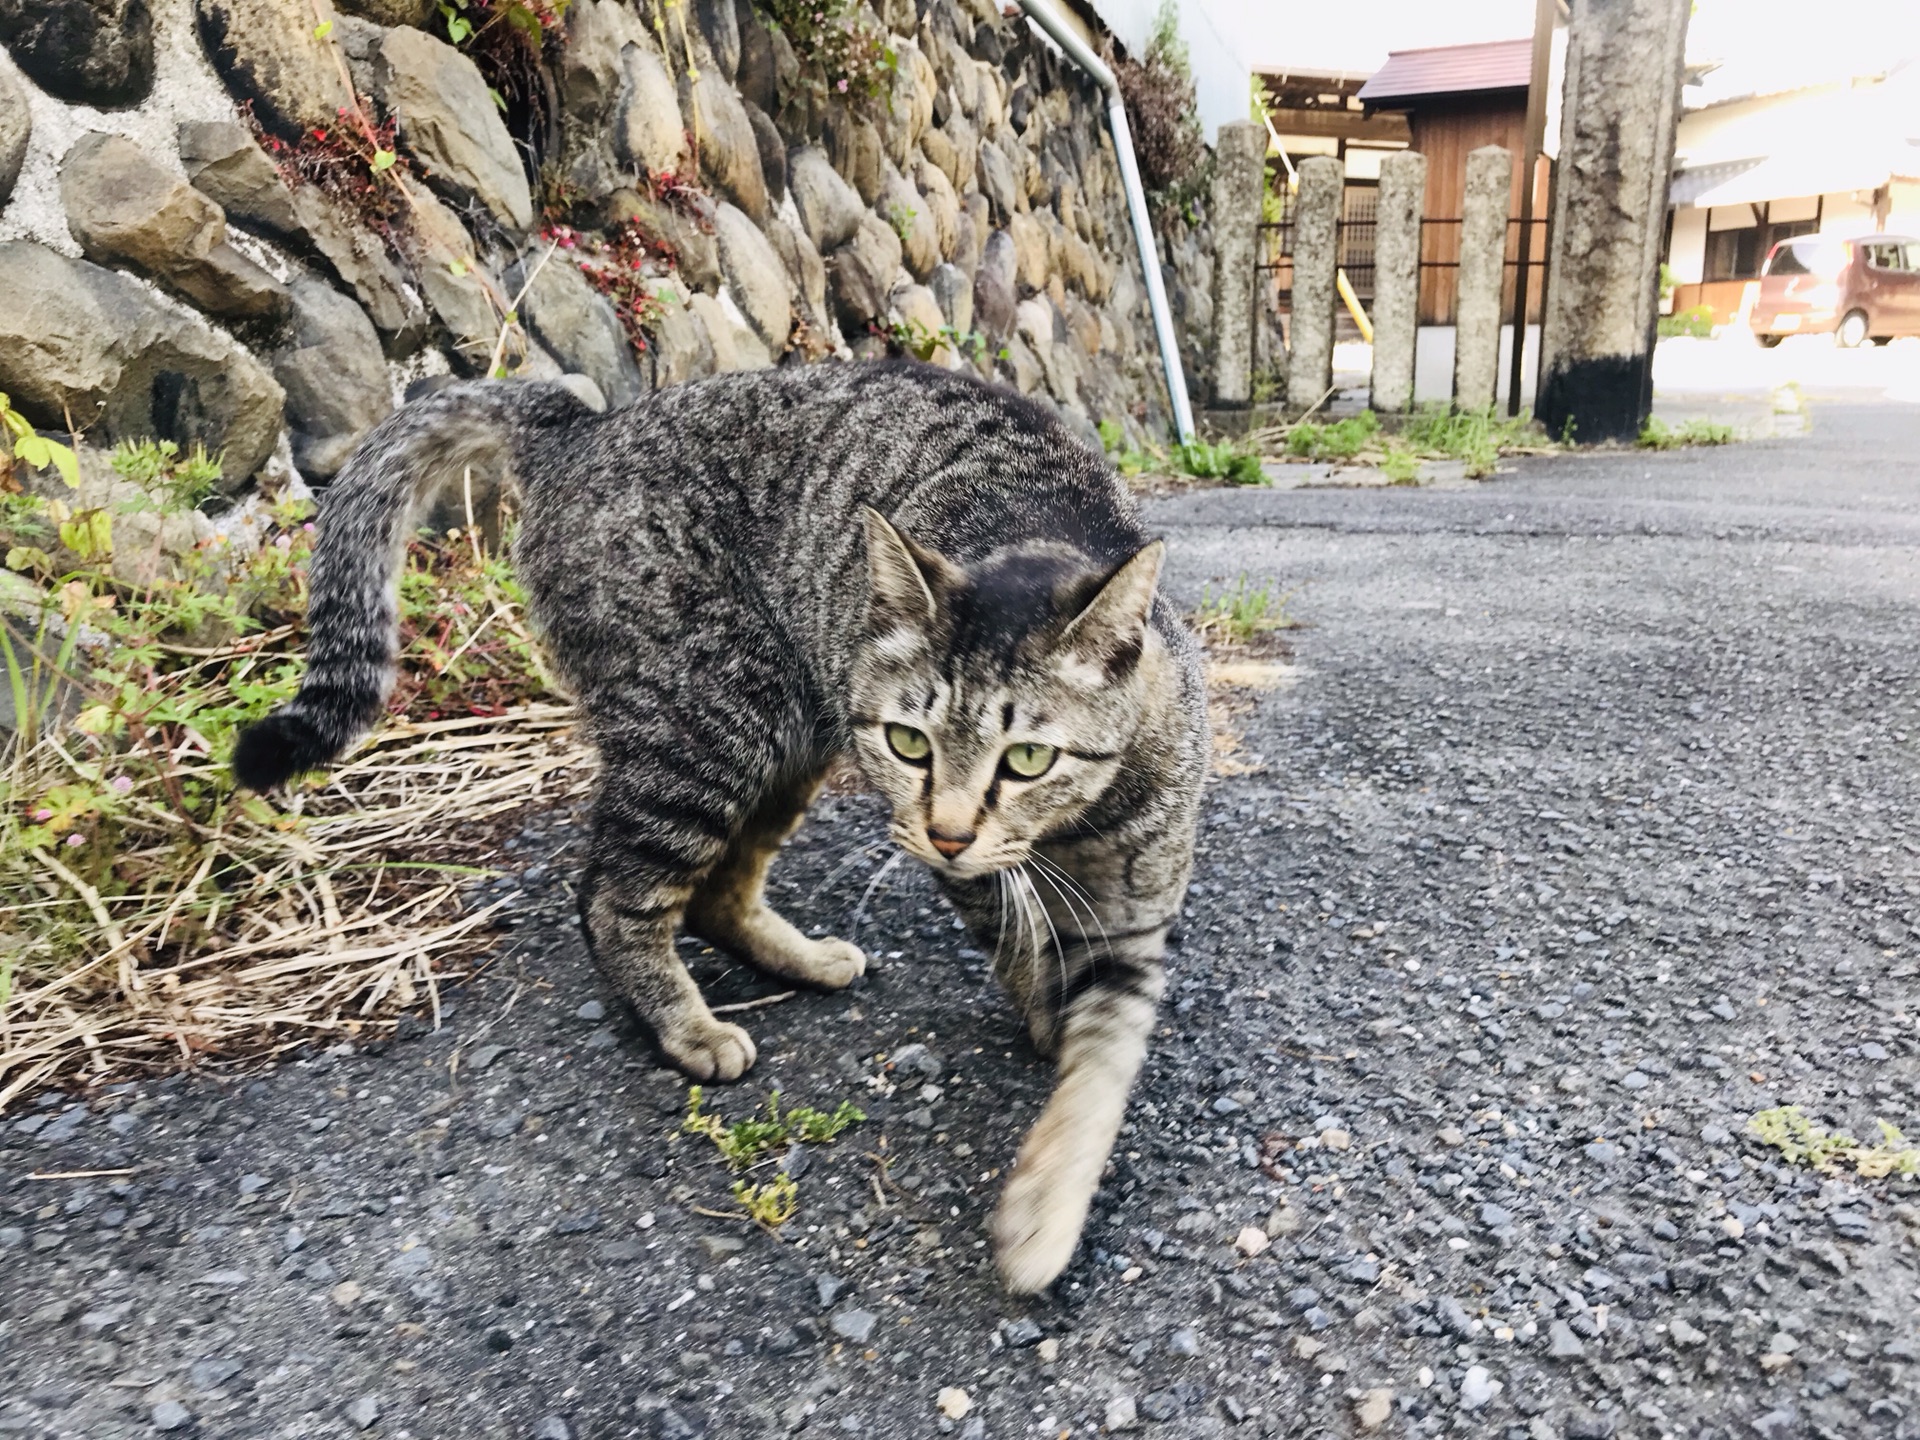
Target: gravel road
(1578,834)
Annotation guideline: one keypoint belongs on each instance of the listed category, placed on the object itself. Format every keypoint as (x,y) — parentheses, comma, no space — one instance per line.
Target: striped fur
(744,579)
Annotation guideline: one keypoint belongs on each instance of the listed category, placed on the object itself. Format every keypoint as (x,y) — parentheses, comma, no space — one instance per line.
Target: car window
(1808,257)
(1883,256)
(1912,249)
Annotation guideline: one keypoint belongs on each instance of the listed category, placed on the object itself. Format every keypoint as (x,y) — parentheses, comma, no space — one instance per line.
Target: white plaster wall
(1688,255)
(1433,365)
(1217,45)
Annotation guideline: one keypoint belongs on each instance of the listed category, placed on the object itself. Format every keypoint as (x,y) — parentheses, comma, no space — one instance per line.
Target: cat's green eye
(909,743)
(1029,762)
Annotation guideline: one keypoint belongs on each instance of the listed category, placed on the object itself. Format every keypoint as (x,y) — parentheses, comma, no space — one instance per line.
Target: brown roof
(1450,70)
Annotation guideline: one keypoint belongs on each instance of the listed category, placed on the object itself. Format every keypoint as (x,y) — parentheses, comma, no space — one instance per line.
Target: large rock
(87,52)
(1032,252)
(735,346)
(450,123)
(755,277)
(588,67)
(408,12)
(682,349)
(916,306)
(995,287)
(334,375)
(720,25)
(225,164)
(124,209)
(729,150)
(77,339)
(454,282)
(829,207)
(804,267)
(773,152)
(757,79)
(267,53)
(862,274)
(907,210)
(694,250)
(578,324)
(942,205)
(953,291)
(998,183)
(648,131)
(853,145)
(16,129)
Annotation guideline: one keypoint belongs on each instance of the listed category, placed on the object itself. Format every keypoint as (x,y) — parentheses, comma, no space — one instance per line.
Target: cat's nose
(949,842)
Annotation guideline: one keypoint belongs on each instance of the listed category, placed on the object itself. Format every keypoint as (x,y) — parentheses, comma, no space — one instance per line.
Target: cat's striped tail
(366,518)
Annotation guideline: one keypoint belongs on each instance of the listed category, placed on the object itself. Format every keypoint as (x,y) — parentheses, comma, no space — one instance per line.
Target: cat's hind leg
(729,905)
(656,832)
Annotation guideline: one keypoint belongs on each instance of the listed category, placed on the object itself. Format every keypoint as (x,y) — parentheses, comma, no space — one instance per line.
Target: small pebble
(954,1402)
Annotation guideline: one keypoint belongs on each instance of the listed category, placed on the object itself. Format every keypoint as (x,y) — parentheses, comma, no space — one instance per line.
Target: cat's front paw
(1036,1230)
(708,1049)
(832,964)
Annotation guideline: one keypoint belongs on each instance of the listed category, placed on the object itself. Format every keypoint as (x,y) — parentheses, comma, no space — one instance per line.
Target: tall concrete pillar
(1240,160)
(1316,231)
(1619,111)
(1396,277)
(1483,264)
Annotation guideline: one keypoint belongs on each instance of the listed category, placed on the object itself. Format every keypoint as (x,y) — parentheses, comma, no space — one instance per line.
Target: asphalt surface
(1581,833)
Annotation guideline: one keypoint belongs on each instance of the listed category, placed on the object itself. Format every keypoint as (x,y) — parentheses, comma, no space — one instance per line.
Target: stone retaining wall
(201,239)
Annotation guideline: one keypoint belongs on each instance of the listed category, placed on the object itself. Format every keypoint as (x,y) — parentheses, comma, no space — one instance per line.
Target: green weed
(1223,460)
(771,1204)
(1401,467)
(1333,439)
(1475,437)
(19,441)
(1696,323)
(172,481)
(745,1143)
(910,337)
(1240,611)
(1801,1142)
(1658,435)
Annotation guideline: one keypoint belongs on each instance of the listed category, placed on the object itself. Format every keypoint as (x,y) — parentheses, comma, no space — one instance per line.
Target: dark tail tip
(274,750)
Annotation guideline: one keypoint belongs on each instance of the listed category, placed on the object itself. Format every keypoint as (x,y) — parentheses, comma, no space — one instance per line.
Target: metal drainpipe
(1076,50)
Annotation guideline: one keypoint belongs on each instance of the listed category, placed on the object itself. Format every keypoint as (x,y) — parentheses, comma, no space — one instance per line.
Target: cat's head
(992,704)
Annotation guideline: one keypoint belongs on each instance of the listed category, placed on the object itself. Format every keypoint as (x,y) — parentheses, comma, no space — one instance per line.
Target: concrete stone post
(1316,231)
(1619,110)
(1483,264)
(1396,277)
(1240,156)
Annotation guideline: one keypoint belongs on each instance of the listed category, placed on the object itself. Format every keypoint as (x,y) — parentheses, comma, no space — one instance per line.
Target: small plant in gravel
(745,1143)
(1238,612)
(1400,466)
(1475,437)
(771,1204)
(1237,463)
(1658,435)
(1801,1142)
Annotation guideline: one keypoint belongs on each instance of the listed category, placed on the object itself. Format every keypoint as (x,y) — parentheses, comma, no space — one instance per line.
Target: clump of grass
(749,1142)
(1801,1142)
(1658,435)
(1333,439)
(151,914)
(745,1143)
(1241,611)
(1234,462)
(771,1204)
(1475,437)
(1401,467)
(172,480)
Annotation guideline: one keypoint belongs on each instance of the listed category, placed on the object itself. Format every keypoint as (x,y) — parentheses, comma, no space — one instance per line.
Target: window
(1739,254)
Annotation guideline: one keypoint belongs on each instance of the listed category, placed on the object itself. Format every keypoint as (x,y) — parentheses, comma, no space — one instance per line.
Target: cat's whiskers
(1041,905)
(860,910)
(1055,877)
(861,852)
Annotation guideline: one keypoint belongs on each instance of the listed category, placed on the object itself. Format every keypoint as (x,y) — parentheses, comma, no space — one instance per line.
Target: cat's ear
(1109,633)
(902,577)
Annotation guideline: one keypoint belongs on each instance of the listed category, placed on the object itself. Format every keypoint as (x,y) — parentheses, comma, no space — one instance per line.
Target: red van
(1854,290)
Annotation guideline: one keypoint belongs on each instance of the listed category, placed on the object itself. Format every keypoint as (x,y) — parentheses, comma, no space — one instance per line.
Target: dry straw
(339,914)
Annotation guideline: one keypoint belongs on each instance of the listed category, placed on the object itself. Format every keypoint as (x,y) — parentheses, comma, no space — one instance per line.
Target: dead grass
(329,918)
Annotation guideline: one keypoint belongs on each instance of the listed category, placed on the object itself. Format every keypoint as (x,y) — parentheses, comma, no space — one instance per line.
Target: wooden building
(1455,99)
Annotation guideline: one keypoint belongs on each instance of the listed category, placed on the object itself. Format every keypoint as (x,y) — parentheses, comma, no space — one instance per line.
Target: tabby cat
(743,579)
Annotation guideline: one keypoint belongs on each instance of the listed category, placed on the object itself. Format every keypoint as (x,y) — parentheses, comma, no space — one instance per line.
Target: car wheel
(1853,330)
(1768,342)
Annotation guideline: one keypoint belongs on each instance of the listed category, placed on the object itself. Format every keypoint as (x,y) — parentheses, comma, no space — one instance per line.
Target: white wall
(1689,250)
(1216,44)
